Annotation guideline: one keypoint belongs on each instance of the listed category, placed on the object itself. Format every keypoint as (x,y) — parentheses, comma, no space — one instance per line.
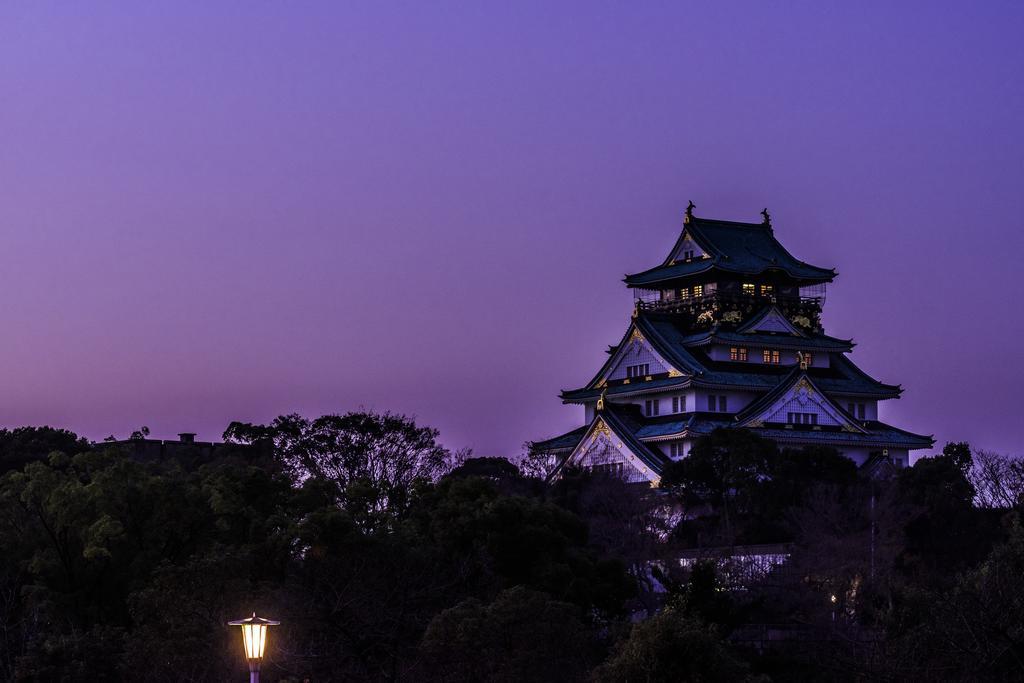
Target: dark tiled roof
(739,248)
(813,342)
(699,424)
(878,434)
(569,440)
(686,422)
(680,349)
(634,430)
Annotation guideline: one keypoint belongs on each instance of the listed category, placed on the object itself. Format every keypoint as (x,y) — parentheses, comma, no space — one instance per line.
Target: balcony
(715,306)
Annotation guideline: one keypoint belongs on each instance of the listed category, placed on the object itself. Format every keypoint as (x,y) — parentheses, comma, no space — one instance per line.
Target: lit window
(809,359)
(748,288)
(698,290)
(641,370)
(738,353)
(651,408)
(766,290)
(770,356)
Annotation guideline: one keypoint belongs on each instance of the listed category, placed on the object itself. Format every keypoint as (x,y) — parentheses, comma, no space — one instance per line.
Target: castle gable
(770,319)
(686,249)
(799,403)
(603,450)
(636,358)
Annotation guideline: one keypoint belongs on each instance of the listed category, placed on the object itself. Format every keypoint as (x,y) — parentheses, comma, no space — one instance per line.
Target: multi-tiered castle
(726,332)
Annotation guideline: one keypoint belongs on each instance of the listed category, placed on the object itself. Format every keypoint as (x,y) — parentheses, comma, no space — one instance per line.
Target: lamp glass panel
(254,638)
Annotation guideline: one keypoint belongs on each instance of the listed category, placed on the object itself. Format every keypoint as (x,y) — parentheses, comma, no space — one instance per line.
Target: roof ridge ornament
(600,399)
(689,212)
(767,217)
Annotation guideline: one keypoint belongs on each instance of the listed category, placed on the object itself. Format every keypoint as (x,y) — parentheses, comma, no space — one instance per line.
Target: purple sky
(230,212)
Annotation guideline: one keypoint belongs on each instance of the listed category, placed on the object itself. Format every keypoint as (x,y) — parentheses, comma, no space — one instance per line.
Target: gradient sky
(215,211)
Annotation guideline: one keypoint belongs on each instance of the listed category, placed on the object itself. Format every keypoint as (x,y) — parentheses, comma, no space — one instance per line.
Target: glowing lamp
(254,641)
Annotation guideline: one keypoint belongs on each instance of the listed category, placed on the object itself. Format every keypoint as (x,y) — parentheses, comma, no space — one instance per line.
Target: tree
(738,487)
(522,635)
(972,630)
(998,480)
(23,445)
(500,541)
(89,536)
(943,532)
(373,460)
(628,522)
(721,473)
(672,646)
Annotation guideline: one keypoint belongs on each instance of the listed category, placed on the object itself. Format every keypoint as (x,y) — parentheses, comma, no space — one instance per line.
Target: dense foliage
(386,557)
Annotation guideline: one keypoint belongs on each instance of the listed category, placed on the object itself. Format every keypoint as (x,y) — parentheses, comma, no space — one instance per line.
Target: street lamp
(254,640)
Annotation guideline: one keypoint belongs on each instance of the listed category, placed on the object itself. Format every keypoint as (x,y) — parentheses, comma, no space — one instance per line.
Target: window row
(718,404)
(696,292)
(652,407)
(741,354)
(641,370)
(803,418)
(751,289)
(858,410)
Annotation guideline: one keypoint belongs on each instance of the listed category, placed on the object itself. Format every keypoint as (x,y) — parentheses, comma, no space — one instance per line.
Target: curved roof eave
(638,280)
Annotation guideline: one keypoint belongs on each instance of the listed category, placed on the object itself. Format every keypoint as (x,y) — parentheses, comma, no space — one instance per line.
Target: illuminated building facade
(726,332)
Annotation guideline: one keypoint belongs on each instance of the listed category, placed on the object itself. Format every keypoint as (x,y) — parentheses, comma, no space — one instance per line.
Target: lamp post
(254,640)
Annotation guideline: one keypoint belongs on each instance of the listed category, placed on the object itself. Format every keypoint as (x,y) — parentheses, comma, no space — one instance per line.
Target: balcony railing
(730,309)
(656,303)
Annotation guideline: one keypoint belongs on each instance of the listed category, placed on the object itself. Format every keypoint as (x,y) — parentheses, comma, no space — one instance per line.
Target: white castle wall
(735,400)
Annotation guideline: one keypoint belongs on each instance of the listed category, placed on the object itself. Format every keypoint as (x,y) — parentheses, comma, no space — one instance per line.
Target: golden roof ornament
(689,212)
(600,399)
